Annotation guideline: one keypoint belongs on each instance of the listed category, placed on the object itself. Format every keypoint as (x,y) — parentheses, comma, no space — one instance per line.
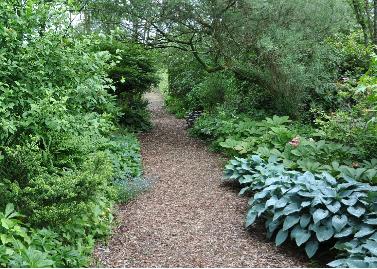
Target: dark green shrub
(133,74)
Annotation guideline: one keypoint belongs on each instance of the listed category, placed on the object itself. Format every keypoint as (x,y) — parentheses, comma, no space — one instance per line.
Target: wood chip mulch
(188,218)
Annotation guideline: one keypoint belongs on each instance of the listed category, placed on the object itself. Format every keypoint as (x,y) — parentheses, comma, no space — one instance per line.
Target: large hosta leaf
(371,246)
(305,220)
(324,233)
(251,217)
(290,221)
(364,231)
(282,202)
(311,248)
(319,215)
(300,235)
(334,207)
(356,211)
(344,233)
(281,237)
(339,222)
(291,208)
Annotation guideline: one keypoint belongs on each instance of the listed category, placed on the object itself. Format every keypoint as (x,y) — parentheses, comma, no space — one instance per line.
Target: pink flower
(295,142)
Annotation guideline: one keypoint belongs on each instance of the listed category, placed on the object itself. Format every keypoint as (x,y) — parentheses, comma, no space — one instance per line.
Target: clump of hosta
(360,253)
(252,173)
(311,208)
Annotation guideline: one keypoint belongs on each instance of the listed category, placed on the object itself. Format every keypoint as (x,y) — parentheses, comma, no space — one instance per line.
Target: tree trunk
(360,20)
(375,23)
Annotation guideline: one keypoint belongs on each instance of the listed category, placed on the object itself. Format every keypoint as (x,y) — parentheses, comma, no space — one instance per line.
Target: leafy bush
(308,208)
(59,166)
(133,74)
(64,246)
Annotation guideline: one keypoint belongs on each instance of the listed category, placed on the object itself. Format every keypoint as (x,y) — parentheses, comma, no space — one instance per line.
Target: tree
(366,16)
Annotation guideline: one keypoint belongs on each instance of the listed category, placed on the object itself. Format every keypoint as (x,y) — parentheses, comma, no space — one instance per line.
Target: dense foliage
(133,74)
(63,161)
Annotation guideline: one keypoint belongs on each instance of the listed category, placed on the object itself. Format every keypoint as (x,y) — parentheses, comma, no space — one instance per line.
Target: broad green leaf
(9,210)
(300,235)
(339,222)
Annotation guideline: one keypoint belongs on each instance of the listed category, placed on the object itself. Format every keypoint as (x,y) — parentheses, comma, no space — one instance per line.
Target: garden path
(189,218)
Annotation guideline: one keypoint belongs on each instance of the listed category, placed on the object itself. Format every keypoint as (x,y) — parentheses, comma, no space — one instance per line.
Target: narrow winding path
(188,218)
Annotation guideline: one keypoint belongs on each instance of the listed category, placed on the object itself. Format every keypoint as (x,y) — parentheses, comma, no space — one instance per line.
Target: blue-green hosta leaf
(371,246)
(246,179)
(243,190)
(277,215)
(350,201)
(337,263)
(307,194)
(319,215)
(260,195)
(235,162)
(251,217)
(305,220)
(311,248)
(281,237)
(272,201)
(282,202)
(290,221)
(330,179)
(273,225)
(334,207)
(317,201)
(324,233)
(371,221)
(344,233)
(328,192)
(300,235)
(364,231)
(291,208)
(305,204)
(354,263)
(356,211)
(339,222)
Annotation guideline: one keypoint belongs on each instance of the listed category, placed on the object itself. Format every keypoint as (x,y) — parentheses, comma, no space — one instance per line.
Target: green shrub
(48,199)
(133,74)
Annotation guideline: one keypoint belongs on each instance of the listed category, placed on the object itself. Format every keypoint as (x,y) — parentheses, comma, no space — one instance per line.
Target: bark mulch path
(188,218)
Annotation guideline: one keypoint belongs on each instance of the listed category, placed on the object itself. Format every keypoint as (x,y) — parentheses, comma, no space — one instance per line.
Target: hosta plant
(308,208)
